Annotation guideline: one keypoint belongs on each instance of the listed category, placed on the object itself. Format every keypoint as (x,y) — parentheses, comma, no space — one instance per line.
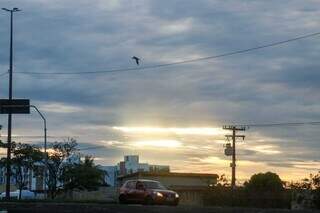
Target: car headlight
(176,195)
(158,194)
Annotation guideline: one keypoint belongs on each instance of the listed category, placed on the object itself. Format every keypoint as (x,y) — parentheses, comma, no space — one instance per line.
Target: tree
(264,182)
(266,190)
(220,193)
(316,186)
(223,181)
(83,176)
(24,158)
(59,158)
(307,189)
(23,161)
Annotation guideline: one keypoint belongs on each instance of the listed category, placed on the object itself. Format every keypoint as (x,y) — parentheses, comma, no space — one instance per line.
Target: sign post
(12,106)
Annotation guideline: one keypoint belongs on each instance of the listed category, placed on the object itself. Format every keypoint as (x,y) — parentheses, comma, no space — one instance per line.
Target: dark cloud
(271,85)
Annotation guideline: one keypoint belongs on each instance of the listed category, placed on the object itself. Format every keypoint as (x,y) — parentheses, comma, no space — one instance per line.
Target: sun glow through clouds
(178,131)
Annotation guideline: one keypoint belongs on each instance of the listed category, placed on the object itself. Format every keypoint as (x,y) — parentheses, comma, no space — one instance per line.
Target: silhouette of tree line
(266,190)
(65,169)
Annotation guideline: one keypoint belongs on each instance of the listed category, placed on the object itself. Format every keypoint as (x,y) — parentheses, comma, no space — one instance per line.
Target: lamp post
(10,98)
(45,143)
(44,127)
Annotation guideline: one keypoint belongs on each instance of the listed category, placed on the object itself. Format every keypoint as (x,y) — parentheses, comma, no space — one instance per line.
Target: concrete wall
(191,197)
(108,194)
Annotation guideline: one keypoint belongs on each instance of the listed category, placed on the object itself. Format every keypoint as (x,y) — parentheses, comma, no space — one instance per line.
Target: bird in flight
(136,59)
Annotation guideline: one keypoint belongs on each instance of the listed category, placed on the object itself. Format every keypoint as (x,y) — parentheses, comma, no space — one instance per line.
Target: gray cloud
(271,85)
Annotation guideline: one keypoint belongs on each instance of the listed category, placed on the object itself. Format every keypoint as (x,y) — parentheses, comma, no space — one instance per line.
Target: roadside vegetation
(266,190)
(67,169)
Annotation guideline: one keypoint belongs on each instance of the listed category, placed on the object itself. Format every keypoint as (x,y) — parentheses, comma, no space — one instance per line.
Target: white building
(34,179)
(130,165)
(111,174)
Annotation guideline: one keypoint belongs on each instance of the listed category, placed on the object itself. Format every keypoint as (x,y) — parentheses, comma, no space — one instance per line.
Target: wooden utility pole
(234,136)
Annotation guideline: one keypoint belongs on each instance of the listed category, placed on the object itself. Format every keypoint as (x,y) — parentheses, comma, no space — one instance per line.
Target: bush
(263,190)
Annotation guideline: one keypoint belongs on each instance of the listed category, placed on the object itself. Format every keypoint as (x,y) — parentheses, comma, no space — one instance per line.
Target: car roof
(142,180)
(145,180)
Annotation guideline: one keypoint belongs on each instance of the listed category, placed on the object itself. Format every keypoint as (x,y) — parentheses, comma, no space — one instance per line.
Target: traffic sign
(15,106)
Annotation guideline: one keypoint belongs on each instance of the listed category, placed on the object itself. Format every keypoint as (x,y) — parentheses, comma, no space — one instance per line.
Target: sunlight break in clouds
(177,131)
(266,149)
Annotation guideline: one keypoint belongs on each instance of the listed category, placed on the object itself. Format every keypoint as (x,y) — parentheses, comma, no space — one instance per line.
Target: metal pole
(45,127)
(8,164)
(9,115)
(45,142)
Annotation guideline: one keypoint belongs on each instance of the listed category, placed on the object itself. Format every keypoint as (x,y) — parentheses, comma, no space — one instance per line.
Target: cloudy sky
(170,115)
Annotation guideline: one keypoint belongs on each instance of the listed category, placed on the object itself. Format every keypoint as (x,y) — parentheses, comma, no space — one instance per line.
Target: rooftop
(169,174)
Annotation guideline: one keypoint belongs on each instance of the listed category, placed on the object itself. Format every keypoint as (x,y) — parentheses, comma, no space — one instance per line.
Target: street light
(44,127)
(15,9)
(45,144)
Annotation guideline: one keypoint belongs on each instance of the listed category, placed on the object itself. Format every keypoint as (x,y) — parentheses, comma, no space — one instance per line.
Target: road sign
(15,106)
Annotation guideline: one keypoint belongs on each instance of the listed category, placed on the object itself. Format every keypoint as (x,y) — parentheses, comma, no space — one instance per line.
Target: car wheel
(148,201)
(122,199)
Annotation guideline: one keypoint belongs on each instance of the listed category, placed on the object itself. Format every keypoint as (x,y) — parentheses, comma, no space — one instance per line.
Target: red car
(147,192)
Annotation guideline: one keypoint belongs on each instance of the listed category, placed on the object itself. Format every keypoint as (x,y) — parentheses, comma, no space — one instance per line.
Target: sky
(169,115)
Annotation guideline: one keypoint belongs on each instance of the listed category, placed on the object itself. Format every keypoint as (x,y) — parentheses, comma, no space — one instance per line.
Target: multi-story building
(130,165)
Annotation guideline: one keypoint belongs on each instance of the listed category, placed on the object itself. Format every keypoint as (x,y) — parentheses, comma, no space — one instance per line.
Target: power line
(5,73)
(91,147)
(35,136)
(279,124)
(179,62)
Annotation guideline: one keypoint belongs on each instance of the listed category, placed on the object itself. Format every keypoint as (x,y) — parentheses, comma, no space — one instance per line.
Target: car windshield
(153,185)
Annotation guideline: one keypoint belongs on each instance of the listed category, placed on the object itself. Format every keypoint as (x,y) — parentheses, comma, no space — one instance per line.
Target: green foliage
(264,190)
(316,186)
(265,182)
(83,176)
(23,160)
(223,181)
(307,186)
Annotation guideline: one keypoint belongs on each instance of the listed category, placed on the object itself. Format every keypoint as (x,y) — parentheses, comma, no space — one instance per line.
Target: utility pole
(8,175)
(234,137)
